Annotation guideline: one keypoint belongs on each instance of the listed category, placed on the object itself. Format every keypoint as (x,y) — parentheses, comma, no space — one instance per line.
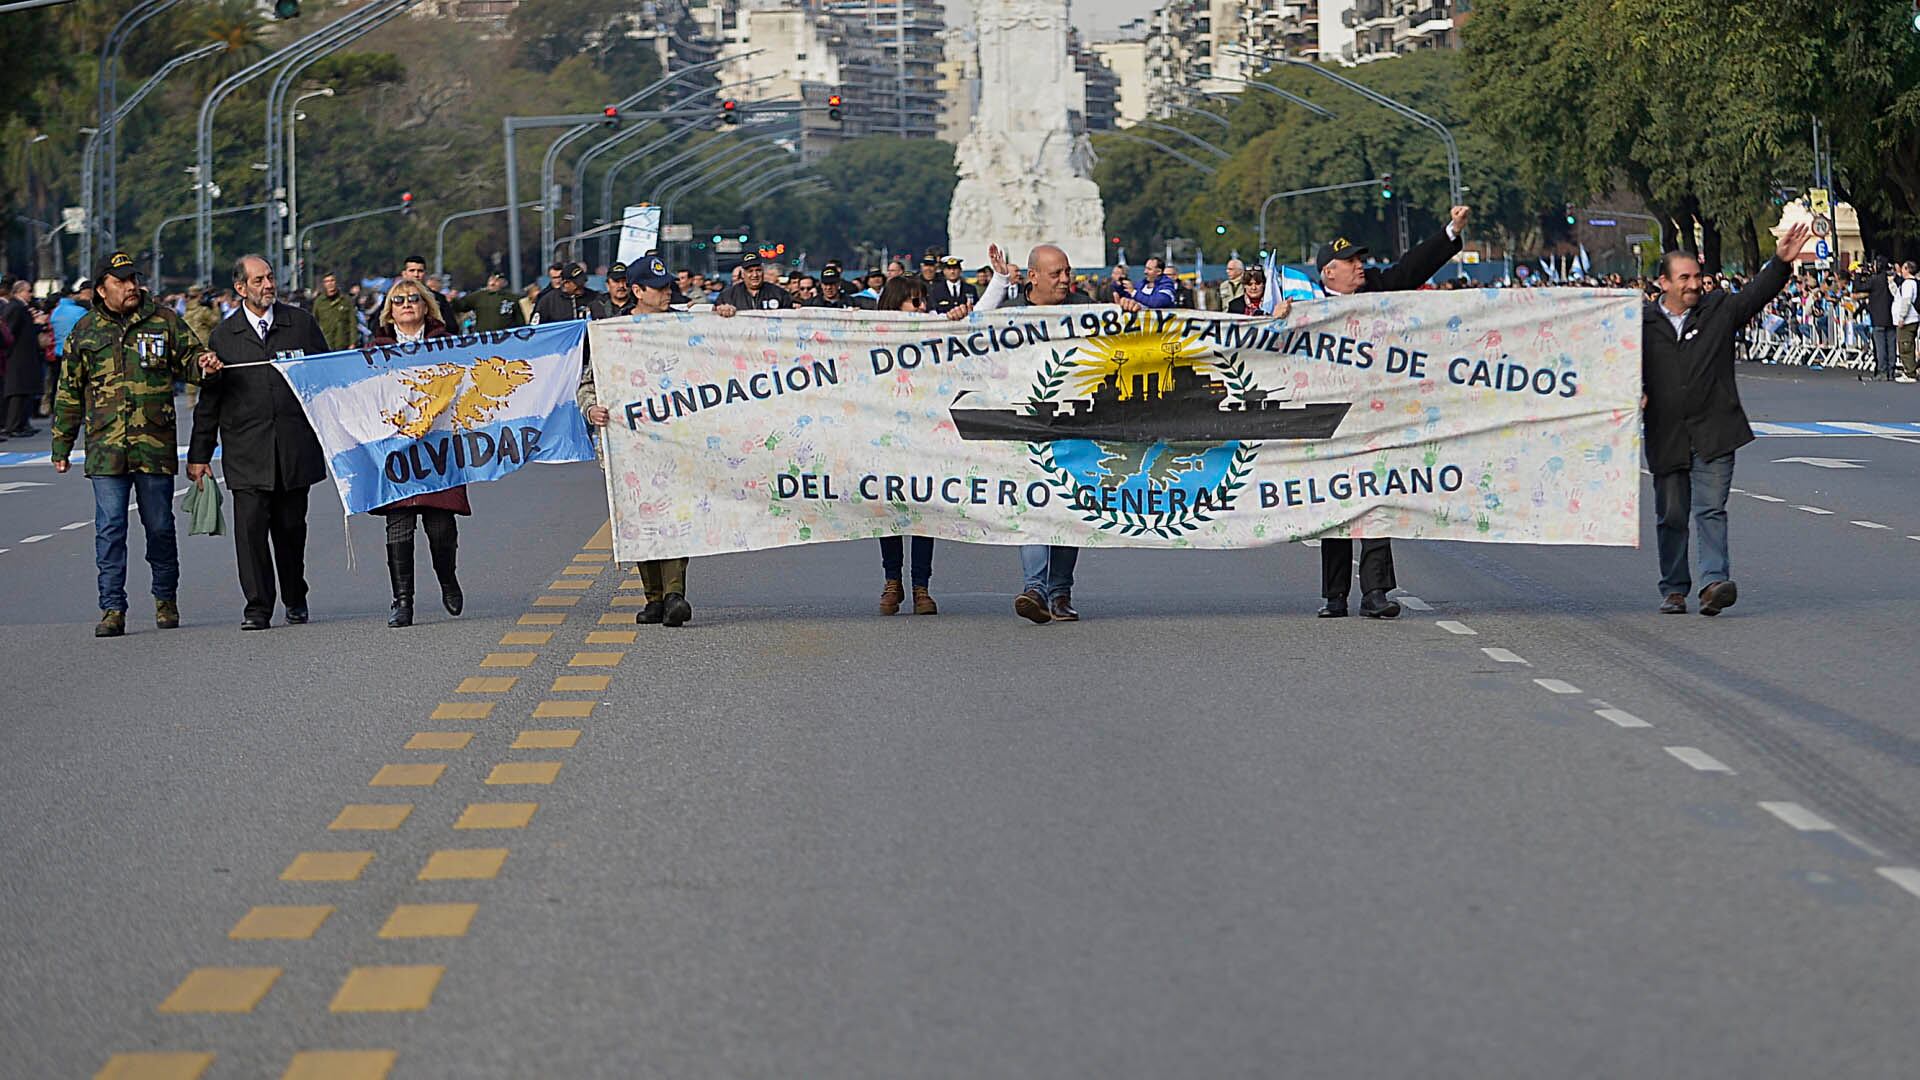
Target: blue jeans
(892,551)
(155,495)
(1700,491)
(1048,569)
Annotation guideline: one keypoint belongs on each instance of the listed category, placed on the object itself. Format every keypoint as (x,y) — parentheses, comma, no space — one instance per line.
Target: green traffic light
(743,238)
(716,239)
(286,9)
(1219,230)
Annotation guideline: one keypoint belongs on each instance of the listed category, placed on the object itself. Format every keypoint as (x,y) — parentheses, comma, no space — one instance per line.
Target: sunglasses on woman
(398,300)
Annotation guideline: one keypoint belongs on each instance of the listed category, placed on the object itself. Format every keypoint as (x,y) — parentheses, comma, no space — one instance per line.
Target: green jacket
(338,324)
(118,377)
(202,318)
(491,310)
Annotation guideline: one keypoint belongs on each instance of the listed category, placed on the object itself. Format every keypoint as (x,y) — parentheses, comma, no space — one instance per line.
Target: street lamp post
(294,115)
(305,234)
(1127,136)
(164,222)
(98,186)
(440,237)
(1278,195)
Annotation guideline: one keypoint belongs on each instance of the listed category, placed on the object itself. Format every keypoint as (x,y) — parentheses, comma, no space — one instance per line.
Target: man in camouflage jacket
(122,359)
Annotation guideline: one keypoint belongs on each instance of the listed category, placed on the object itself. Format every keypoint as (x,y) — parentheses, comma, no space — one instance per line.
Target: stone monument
(1025,177)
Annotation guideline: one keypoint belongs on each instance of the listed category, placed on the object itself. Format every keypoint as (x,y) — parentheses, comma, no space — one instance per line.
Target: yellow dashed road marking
(407,776)
(573,683)
(429,920)
(628,601)
(612,637)
(556,601)
(596,659)
(616,618)
(464,864)
(580,571)
(508,659)
(340,1065)
(592,557)
(395,988)
(572,585)
(496,815)
(602,540)
(462,710)
(546,740)
(487,684)
(524,772)
(633,584)
(445,740)
(527,637)
(221,990)
(168,1065)
(542,618)
(280,922)
(377,817)
(566,709)
(327,866)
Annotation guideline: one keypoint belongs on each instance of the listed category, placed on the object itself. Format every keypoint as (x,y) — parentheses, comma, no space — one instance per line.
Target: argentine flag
(425,416)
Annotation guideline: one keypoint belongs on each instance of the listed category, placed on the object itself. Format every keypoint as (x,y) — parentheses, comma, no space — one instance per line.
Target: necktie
(266,322)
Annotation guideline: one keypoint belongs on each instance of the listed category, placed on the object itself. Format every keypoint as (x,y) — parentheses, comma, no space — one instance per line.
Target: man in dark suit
(1693,413)
(949,291)
(271,453)
(1343,271)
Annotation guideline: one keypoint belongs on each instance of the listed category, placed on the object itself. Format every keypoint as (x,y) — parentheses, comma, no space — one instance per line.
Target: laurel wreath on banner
(1233,371)
(1051,377)
(1170,526)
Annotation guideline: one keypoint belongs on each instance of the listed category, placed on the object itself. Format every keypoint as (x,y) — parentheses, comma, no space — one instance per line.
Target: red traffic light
(833,99)
(729,105)
(406,198)
(611,110)
(729,111)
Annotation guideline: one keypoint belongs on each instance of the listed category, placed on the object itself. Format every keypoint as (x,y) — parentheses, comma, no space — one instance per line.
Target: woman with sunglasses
(909,294)
(410,314)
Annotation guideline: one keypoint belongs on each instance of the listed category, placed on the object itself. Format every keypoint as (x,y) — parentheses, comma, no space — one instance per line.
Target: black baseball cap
(751,258)
(650,273)
(119,265)
(1342,248)
(929,259)
(831,273)
(574,272)
(617,272)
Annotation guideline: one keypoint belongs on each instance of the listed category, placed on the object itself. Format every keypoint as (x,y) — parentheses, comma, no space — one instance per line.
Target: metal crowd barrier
(1836,340)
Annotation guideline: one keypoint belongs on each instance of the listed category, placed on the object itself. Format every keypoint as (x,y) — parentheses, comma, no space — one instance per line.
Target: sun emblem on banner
(473,395)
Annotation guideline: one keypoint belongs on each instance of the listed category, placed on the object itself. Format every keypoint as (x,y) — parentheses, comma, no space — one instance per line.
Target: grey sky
(1095,18)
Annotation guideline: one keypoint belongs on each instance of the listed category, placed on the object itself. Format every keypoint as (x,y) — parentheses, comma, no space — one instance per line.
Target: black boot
(675,611)
(400,570)
(443,560)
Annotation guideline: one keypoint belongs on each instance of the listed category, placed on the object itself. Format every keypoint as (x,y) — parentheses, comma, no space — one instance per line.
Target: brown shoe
(1063,609)
(891,597)
(1676,604)
(923,603)
(112,624)
(166,614)
(1718,597)
(1030,605)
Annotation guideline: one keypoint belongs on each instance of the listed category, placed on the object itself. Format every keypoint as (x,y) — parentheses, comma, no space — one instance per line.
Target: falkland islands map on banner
(409,419)
(1498,416)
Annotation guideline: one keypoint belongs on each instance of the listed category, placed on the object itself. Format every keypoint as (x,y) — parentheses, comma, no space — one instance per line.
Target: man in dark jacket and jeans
(1693,414)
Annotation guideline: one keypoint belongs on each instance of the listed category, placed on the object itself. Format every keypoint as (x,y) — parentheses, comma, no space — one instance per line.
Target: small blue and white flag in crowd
(425,416)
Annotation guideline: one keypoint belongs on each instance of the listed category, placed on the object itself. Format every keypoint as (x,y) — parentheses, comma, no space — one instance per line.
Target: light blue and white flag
(411,419)
(1296,284)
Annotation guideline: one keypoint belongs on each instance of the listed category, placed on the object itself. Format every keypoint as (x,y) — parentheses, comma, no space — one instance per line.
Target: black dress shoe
(652,614)
(1378,605)
(1332,609)
(296,616)
(675,611)
(252,623)
(1718,597)
(1062,609)
(1676,604)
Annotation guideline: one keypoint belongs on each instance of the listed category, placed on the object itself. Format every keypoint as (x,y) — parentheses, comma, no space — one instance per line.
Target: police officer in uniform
(832,290)
(494,307)
(619,293)
(571,300)
(951,290)
(1343,271)
(270,452)
(117,376)
(753,292)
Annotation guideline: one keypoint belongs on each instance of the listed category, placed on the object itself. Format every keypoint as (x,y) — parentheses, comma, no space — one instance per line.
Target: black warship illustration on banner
(1147,399)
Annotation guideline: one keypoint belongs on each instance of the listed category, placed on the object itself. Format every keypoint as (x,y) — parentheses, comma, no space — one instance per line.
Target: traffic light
(1219,229)
(1386,187)
(286,9)
(1571,220)
(406,202)
(833,106)
(716,238)
(729,111)
(612,114)
(743,238)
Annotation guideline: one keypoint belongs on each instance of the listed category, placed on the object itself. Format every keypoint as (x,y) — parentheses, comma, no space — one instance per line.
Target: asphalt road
(1530,829)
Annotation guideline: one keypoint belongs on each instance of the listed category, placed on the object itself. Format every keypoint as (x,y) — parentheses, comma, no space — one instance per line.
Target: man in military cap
(121,361)
(619,293)
(753,292)
(832,291)
(930,268)
(334,311)
(494,307)
(951,291)
(572,300)
(868,299)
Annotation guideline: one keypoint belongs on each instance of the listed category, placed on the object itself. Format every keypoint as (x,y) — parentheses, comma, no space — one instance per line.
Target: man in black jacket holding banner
(1343,271)
(1693,414)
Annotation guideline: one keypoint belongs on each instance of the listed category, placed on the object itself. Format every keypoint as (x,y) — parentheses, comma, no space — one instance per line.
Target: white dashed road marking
(72,525)
(1621,717)
(1798,817)
(36,539)
(1460,628)
(1868,524)
(1414,603)
(1904,876)
(1765,498)
(1503,656)
(1555,686)
(1699,759)
(1813,510)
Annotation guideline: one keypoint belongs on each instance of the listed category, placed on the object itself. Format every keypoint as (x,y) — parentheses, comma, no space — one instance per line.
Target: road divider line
(72,525)
(1798,817)
(1812,509)
(1906,877)
(36,539)
(1621,718)
(1504,656)
(1556,686)
(1460,628)
(1868,524)
(1765,498)
(1699,760)
(1413,603)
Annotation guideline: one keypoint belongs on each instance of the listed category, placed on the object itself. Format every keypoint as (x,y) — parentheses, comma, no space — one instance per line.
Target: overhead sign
(1485,415)
(639,233)
(676,234)
(729,246)
(1603,222)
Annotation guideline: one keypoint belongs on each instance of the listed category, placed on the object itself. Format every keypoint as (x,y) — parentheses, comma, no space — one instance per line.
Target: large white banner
(639,233)
(1501,416)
